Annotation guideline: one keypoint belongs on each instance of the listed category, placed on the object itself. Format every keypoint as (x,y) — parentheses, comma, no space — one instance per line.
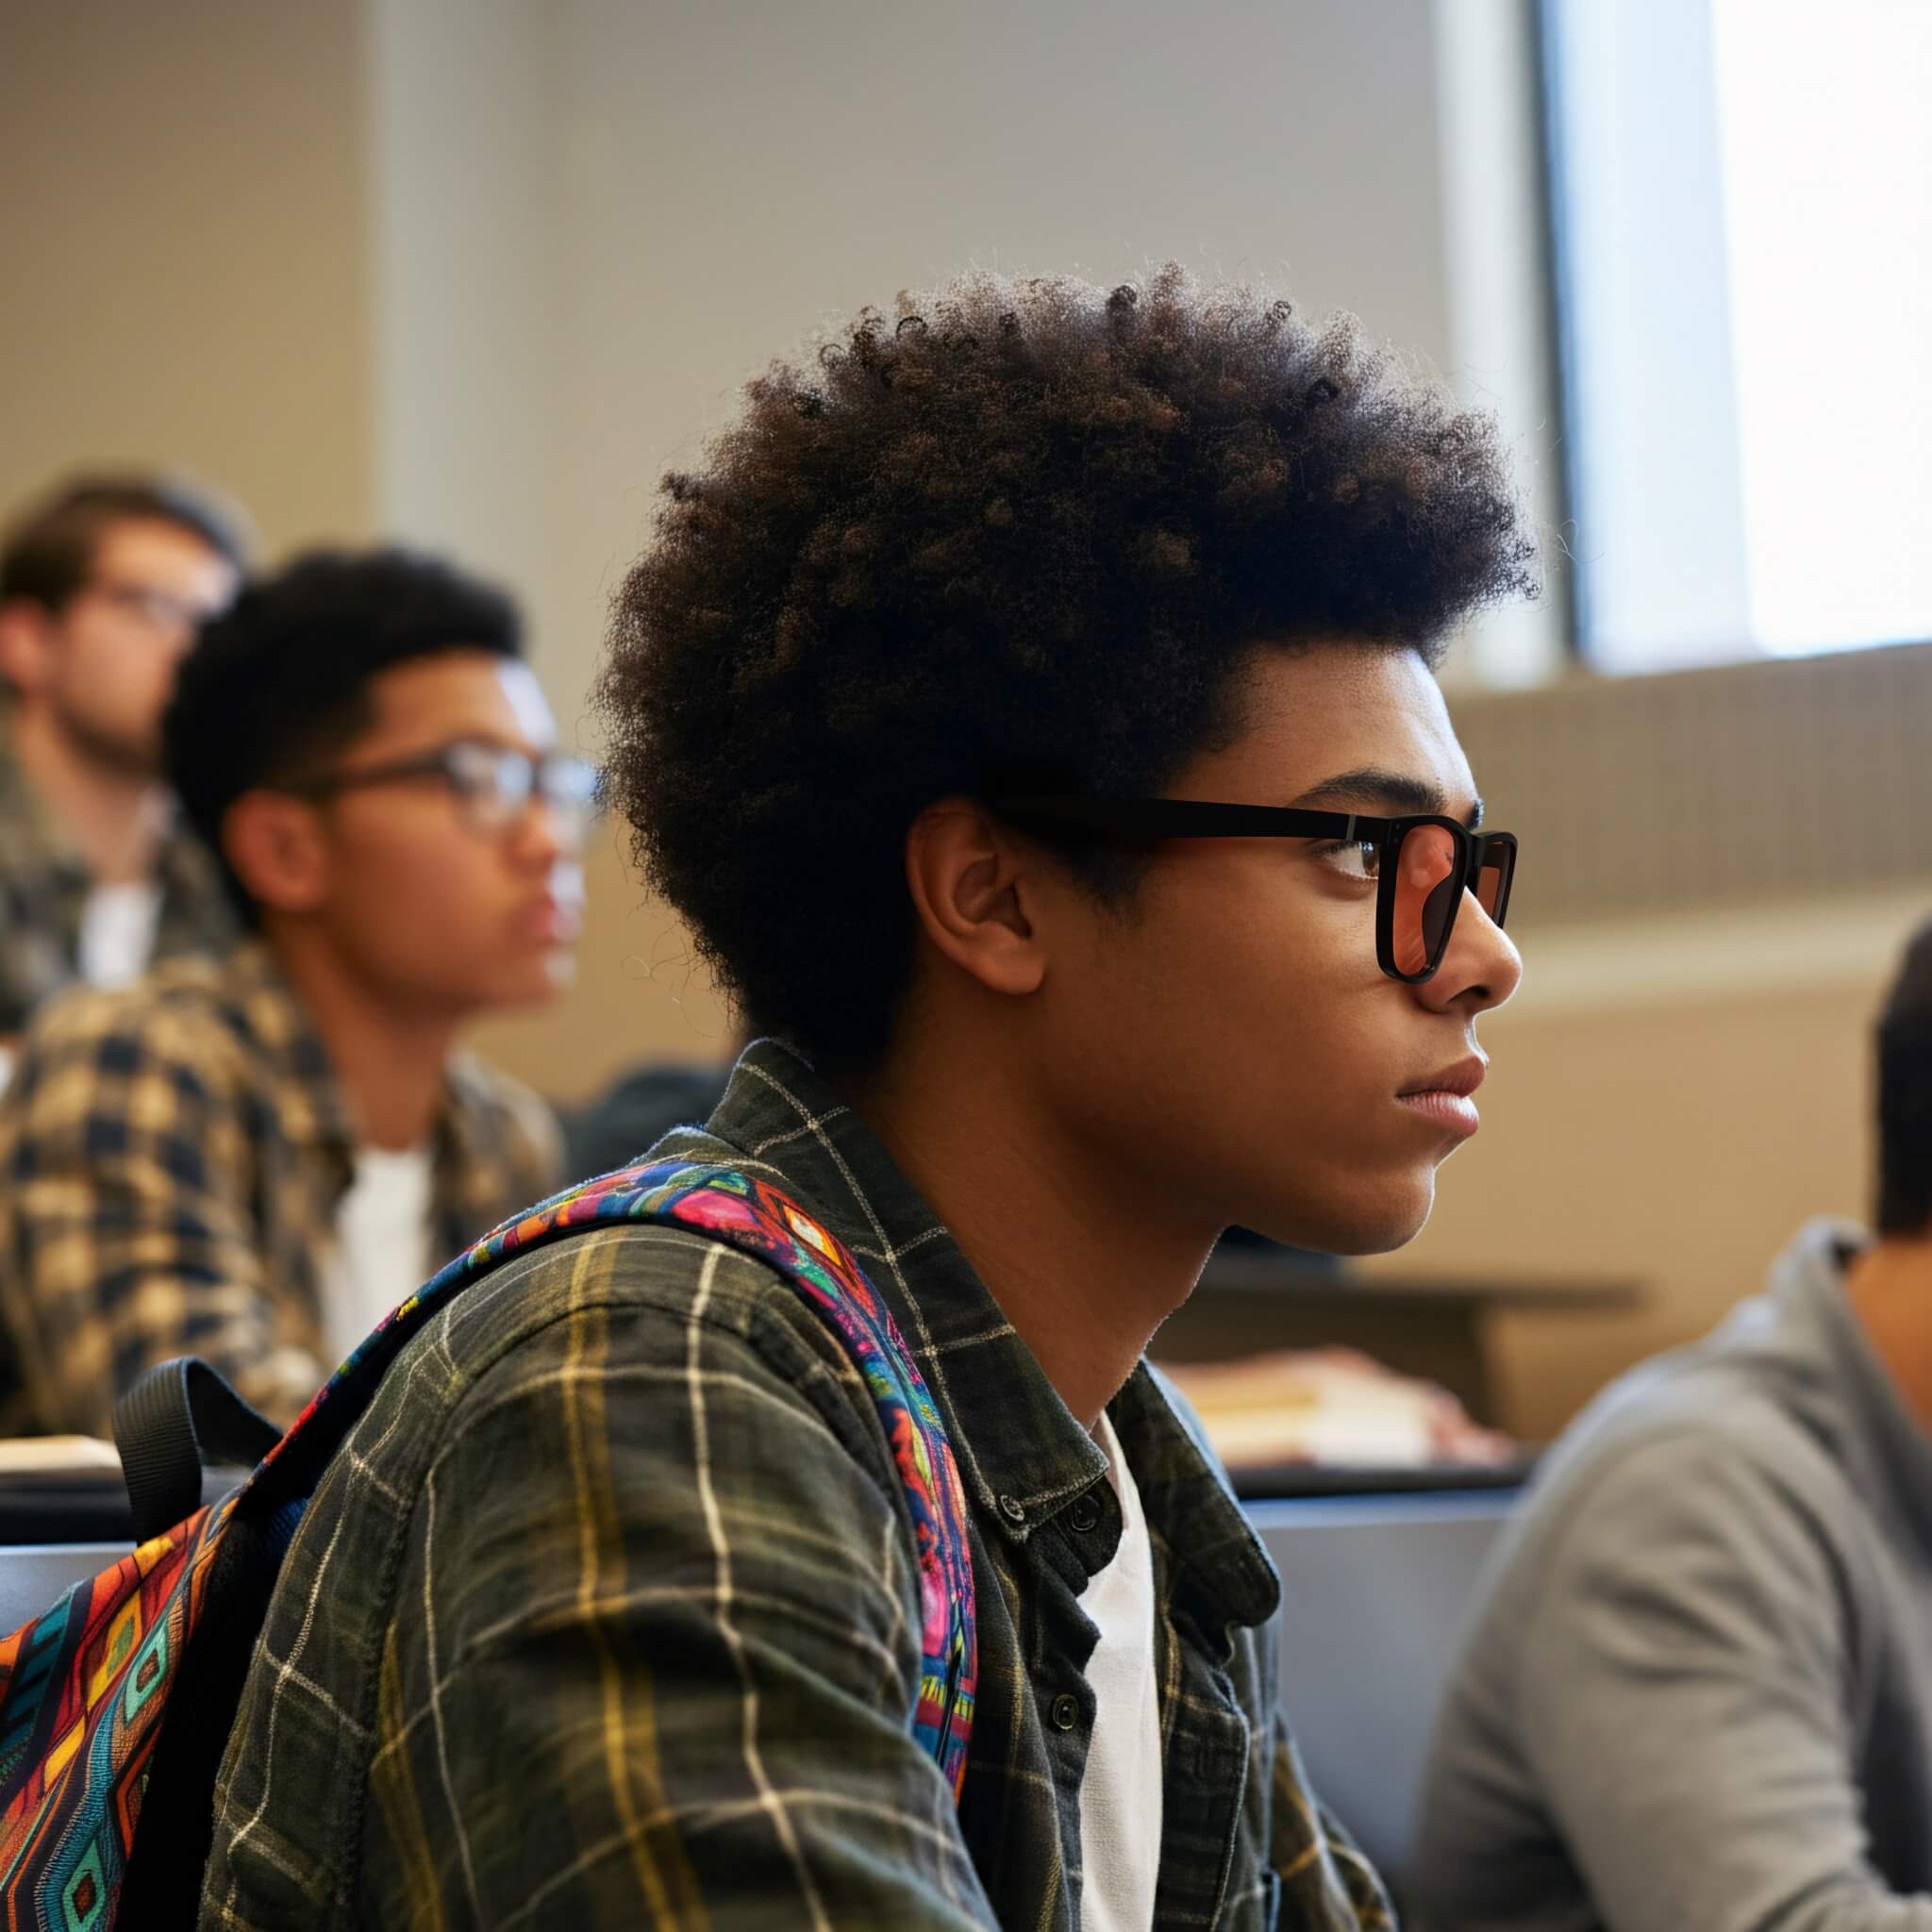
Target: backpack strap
(178,1419)
(747,1213)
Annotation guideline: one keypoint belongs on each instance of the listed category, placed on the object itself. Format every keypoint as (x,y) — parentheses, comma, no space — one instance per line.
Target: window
(1742,202)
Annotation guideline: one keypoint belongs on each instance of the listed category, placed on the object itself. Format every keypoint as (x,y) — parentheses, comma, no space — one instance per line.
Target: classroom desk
(1251,1300)
(1375,1592)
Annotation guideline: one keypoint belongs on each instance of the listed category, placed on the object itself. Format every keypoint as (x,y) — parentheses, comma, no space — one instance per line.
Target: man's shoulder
(501,1113)
(1726,1398)
(179,1012)
(644,1287)
(1713,1443)
(28,835)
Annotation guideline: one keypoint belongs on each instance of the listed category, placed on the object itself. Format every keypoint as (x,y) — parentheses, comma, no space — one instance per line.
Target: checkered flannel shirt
(607,1613)
(43,887)
(171,1155)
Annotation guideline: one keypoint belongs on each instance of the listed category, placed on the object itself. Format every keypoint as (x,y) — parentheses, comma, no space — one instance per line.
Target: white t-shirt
(117,931)
(382,1253)
(1120,1794)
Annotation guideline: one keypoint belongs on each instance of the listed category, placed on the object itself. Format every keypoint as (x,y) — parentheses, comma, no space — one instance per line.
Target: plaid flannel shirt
(607,1614)
(171,1155)
(43,887)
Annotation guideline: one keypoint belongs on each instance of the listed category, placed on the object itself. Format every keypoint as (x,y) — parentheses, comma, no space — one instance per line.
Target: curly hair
(279,683)
(1026,533)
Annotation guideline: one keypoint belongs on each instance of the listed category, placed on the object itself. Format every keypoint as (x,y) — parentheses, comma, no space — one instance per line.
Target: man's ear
(25,645)
(280,850)
(975,890)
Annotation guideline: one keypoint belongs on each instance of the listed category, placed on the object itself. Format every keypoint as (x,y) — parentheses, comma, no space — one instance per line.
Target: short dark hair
(48,554)
(279,683)
(1024,534)
(1905,1095)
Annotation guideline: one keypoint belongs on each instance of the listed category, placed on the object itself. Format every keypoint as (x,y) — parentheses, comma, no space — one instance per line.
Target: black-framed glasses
(1422,864)
(493,783)
(159,609)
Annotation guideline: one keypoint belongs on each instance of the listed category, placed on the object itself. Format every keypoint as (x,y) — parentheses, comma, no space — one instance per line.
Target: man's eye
(1360,858)
(472,773)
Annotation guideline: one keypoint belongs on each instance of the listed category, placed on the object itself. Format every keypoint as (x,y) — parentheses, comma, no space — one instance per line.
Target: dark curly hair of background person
(1024,534)
(282,681)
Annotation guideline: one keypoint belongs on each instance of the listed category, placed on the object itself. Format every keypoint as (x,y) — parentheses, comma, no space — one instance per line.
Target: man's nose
(546,831)
(1480,968)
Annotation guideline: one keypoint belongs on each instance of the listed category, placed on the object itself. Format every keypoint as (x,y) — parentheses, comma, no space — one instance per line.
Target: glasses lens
(1492,882)
(494,784)
(568,785)
(1428,886)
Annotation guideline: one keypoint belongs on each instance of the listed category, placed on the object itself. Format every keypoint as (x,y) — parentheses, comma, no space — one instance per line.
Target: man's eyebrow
(1395,792)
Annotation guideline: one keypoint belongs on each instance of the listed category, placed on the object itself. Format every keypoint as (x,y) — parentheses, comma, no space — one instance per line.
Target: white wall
(461,209)
(734,174)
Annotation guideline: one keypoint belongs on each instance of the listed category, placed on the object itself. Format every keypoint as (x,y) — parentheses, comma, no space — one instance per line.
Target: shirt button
(1066,1711)
(1085,1514)
(1012,1510)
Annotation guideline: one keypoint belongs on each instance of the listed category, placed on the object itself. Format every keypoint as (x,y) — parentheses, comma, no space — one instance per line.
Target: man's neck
(115,819)
(391,1065)
(1085,1266)
(1890,1289)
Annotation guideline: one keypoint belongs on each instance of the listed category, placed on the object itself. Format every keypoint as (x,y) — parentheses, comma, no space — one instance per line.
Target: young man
(252,1160)
(613,1617)
(1699,1692)
(102,587)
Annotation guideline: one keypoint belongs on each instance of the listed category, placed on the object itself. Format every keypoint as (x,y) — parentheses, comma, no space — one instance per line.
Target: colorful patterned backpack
(115,1705)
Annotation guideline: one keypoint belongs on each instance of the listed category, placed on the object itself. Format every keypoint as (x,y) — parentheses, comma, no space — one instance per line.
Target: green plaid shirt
(43,887)
(607,1615)
(172,1157)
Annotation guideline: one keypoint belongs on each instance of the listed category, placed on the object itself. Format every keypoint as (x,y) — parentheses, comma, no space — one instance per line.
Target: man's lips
(1463,1078)
(551,921)
(1446,1097)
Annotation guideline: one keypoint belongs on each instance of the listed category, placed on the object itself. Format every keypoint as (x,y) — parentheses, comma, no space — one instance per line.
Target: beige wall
(1677,1148)
(185,271)
(1664,1110)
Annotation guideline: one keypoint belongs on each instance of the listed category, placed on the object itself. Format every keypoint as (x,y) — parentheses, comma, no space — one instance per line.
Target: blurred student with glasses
(252,1160)
(102,587)
(1698,1691)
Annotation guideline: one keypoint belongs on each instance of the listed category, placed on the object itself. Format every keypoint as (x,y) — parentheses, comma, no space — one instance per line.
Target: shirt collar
(183,865)
(33,832)
(1021,1453)
(314,1111)
(307,1094)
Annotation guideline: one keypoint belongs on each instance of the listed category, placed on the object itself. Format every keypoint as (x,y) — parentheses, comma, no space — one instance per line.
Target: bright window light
(1825,134)
(1744,197)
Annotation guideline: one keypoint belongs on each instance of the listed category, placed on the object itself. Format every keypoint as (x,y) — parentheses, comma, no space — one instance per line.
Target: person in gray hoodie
(1697,1694)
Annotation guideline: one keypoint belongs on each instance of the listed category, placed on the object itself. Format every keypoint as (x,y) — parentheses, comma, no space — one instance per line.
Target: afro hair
(1022,534)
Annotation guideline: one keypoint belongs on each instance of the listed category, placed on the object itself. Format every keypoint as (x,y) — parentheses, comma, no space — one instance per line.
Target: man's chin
(539,981)
(1347,1228)
(137,759)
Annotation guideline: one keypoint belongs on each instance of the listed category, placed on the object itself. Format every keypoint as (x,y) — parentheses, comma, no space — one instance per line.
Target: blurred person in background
(1028,703)
(1699,1691)
(102,587)
(252,1160)
(638,1108)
